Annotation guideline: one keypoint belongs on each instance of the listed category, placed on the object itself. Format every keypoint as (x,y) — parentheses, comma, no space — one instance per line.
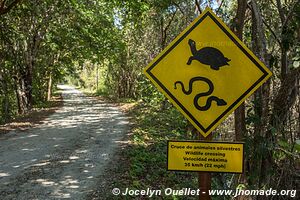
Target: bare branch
(172,18)
(220,6)
(179,8)
(167,27)
(198,6)
(272,32)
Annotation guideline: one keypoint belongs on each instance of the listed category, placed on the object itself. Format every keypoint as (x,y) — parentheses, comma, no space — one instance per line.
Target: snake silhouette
(220,102)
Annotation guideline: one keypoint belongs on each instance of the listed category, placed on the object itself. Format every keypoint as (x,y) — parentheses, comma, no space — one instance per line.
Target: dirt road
(63,157)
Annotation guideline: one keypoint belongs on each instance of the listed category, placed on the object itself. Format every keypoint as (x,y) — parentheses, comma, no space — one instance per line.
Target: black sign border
(265,73)
(195,141)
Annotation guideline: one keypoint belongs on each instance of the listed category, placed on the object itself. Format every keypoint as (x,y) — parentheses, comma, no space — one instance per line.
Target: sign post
(204,181)
(204,178)
(206,72)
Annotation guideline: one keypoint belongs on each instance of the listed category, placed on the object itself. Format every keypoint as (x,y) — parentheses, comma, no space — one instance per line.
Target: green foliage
(104,45)
(146,156)
(47,41)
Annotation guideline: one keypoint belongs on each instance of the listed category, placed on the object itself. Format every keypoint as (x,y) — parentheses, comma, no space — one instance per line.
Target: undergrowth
(143,163)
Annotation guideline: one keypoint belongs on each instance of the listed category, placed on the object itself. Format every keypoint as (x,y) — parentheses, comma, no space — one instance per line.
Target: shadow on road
(62,157)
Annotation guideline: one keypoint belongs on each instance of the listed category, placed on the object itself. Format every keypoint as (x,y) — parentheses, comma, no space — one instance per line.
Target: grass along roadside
(141,163)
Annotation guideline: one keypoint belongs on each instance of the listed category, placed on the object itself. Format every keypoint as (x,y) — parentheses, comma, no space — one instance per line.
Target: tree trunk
(262,96)
(284,68)
(5,101)
(239,113)
(28,81)
(284,99)
(21,96)
(49,90)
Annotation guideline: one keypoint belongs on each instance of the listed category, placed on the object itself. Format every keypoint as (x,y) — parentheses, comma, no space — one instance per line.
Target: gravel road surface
(63,157)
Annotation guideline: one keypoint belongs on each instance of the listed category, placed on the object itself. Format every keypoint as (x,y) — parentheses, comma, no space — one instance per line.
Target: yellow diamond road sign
(207,72)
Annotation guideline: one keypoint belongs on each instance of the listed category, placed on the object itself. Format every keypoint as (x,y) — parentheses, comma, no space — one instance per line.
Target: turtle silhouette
(208,56)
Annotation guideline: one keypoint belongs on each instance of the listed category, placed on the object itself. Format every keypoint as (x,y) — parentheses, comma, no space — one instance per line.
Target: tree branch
(166,28)
(268,27)
(261,39)
(172,18)
(284,99)
(4,10)
(198,6)
(280,11)
(2,5)
(287,19)
(272,32)
(179,8)
(287,152)
(239,19)
(220,6)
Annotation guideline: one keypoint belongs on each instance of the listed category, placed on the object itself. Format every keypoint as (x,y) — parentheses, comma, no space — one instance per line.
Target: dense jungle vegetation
(103,45)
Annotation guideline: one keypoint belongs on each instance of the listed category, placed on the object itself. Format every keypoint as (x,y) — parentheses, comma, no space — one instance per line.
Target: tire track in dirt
(64,156)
